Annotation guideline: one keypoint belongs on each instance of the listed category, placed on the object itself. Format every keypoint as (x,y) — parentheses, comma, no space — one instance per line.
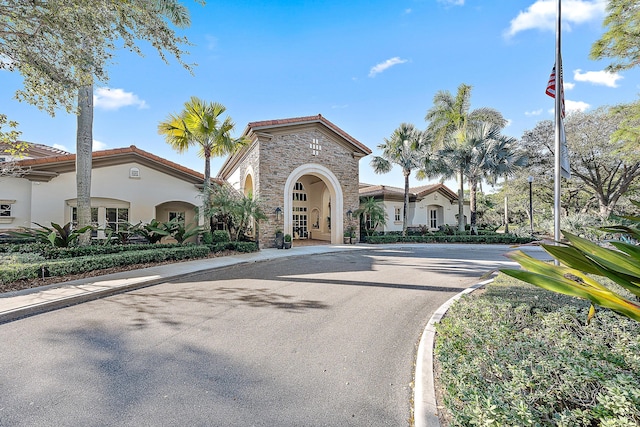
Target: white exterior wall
(18,189)
(390,209)
(418,213)
(46,202)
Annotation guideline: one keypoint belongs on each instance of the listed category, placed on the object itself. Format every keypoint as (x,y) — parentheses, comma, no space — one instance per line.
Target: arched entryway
(313,203)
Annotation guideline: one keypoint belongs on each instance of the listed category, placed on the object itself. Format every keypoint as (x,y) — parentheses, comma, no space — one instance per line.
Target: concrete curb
(425,412)
(30,302)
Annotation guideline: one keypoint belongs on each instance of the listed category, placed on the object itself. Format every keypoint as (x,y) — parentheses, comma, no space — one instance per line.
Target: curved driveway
(319,340)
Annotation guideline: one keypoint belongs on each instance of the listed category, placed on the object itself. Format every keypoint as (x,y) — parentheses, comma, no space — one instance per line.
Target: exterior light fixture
(278,212)
(349,214)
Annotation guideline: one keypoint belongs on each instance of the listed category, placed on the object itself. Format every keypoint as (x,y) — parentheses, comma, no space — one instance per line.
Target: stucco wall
(49,201)
(18,189)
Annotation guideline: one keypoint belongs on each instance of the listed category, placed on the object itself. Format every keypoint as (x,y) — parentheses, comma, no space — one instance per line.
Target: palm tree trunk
(506,209)
(206,201)
(84,148)
(472,201)
(406,202)
(461,203)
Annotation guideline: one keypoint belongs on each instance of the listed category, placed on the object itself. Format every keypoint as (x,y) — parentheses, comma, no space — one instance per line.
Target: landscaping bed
(515,354)
(28,266)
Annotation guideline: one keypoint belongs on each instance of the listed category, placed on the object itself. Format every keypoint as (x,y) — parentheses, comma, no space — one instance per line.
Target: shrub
(517,355)
(220,236)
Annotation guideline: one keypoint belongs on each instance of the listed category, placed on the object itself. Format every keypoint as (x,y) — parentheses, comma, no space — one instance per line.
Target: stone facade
(305,146)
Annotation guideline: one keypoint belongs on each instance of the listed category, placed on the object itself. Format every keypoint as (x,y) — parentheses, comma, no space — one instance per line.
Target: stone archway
(335,191)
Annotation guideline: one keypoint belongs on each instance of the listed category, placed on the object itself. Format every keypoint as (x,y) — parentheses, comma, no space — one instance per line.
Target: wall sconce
(349,214)
(278,212)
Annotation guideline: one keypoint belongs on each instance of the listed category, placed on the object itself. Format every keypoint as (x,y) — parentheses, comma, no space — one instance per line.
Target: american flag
(551,87)
(565,170)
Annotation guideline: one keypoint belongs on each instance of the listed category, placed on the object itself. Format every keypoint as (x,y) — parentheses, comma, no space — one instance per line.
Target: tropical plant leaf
(613,260)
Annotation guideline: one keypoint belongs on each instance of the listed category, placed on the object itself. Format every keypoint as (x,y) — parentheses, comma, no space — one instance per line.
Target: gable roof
(254,128)
(415,193)
(47,168)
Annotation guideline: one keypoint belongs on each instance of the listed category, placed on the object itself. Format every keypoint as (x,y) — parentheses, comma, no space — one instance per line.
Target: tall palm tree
(404,148)
(448,121)
(200,124)
(506,159)
(450,114)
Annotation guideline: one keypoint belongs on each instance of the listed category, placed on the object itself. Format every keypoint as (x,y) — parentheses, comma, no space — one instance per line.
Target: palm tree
(199,124)
(372,213)
(450,116)
(404,148)
(506,159)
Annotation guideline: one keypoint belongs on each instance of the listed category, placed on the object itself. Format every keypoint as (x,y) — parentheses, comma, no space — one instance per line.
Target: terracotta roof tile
(112,153)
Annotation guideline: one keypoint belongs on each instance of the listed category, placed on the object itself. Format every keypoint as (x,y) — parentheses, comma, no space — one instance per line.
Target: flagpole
(558,118)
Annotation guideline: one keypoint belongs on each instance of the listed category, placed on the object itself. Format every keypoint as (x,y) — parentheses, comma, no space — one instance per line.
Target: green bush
(12,271)
(243,247)
(518,355)
(443,238)
(220,236)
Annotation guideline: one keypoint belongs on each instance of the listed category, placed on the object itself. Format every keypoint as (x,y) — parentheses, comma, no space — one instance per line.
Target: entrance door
(300,222)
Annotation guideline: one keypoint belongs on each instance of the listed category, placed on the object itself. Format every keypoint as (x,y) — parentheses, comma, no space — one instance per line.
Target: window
(117,218)
(299,195)
(94,220)
(178,216)
(74,217)
(433,218)
(315,147)
(398,214)
(5,209)
(368,224)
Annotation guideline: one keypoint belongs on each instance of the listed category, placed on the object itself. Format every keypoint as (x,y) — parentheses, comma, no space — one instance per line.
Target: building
(128,185)
(305,171)
(430,206)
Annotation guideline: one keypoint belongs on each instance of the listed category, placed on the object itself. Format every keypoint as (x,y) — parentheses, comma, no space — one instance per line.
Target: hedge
(487,238)
(61,267)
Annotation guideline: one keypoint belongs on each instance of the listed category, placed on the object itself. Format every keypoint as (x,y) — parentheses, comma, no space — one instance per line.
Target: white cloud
(541,15)
(604,78)
(568,85)
(114,99)
(98,145)
(383,66)
(573,106)
(407,11)
(61,147)
(452,2)
(533,113)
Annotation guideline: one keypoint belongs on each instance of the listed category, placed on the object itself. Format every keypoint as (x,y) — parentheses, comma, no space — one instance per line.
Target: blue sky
(367,66)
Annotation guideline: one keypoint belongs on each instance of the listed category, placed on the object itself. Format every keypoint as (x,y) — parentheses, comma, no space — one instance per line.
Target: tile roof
(415,192)
(113,155)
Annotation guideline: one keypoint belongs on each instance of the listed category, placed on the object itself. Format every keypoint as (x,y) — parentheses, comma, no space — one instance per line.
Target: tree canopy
(601,175)
(60,45)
